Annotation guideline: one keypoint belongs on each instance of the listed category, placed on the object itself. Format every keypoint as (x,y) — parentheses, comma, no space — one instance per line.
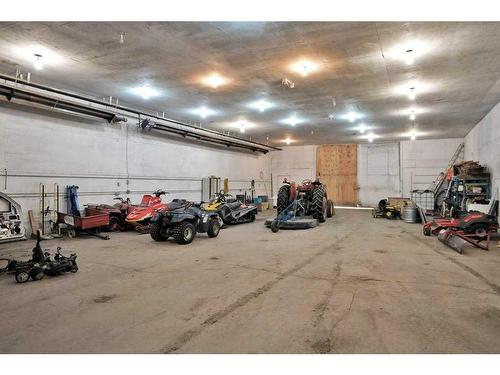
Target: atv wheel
(252,218)
(114,224)
(22,276)
(156,232)
(330,210)
(319,203)
(74,269)
(274,226)
(283,198)
(184,233)
(213,228)
(37,273)
(427,231)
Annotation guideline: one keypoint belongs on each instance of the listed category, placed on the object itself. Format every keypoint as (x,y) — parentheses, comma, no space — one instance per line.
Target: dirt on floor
(352,285)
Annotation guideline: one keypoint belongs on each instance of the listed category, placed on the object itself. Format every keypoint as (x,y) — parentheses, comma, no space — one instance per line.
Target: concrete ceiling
(361,67)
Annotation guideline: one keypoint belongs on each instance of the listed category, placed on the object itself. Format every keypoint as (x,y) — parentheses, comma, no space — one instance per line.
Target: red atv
(117,213)
(312,198)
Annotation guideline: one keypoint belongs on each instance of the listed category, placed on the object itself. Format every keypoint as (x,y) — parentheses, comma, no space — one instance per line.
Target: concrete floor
(353,285)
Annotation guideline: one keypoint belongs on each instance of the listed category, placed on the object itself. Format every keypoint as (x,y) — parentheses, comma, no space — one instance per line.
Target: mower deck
(295,223)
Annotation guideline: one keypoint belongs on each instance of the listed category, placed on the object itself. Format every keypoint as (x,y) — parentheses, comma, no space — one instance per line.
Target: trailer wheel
(22,276)
(37,273)
(156,232)
(283,198)
(213,228)
(184,233)
(274,226)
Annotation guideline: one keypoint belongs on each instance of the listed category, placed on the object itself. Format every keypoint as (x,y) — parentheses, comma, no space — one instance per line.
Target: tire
(330,210)
(283,198)
(184,233)
(274,226)
(213,228)
(22,276)
(479,228)
(319,203)
(114,224)
(427,231)
(252,218)
(156,232)
(37,273)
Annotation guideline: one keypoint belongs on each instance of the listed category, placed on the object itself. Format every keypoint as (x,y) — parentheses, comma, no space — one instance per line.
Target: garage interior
(396,123)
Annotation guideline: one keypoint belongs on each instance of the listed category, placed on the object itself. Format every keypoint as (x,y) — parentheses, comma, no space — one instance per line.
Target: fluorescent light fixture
(203,112)
(145,91)
(261,105)
(214,80)
(292,120)
(38,64)
(304,67)
(352,116)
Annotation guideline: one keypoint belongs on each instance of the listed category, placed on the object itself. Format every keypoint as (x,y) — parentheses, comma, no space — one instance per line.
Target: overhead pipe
(12,88)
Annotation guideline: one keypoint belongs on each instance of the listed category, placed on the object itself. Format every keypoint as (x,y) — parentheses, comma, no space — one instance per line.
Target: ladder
(438,182)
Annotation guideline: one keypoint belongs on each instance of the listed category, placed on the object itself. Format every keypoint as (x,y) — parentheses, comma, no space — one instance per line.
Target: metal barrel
(409,214)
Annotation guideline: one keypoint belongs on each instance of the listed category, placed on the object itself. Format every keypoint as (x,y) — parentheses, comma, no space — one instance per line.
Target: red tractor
(310,197)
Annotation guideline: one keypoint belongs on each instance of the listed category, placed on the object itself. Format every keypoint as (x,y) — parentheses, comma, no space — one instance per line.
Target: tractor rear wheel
(156,232)
(283,198)
(319,204)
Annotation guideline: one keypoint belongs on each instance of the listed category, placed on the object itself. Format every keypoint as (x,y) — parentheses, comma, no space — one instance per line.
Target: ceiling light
(38,64)
(370,139)
(410,50)
(352,116)
(242,127)
(412,94)
(362,128)
(292,120)
(203,112)
(145,91)
(304,67)
(410,56)
(412,116)
(214,80)
(261,105)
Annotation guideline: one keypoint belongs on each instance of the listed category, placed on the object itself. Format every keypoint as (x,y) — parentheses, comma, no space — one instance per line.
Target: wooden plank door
(337,167)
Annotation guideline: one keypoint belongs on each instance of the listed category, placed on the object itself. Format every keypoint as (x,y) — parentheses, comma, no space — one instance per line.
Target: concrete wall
(423,160)
(483,145)
(37,146)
